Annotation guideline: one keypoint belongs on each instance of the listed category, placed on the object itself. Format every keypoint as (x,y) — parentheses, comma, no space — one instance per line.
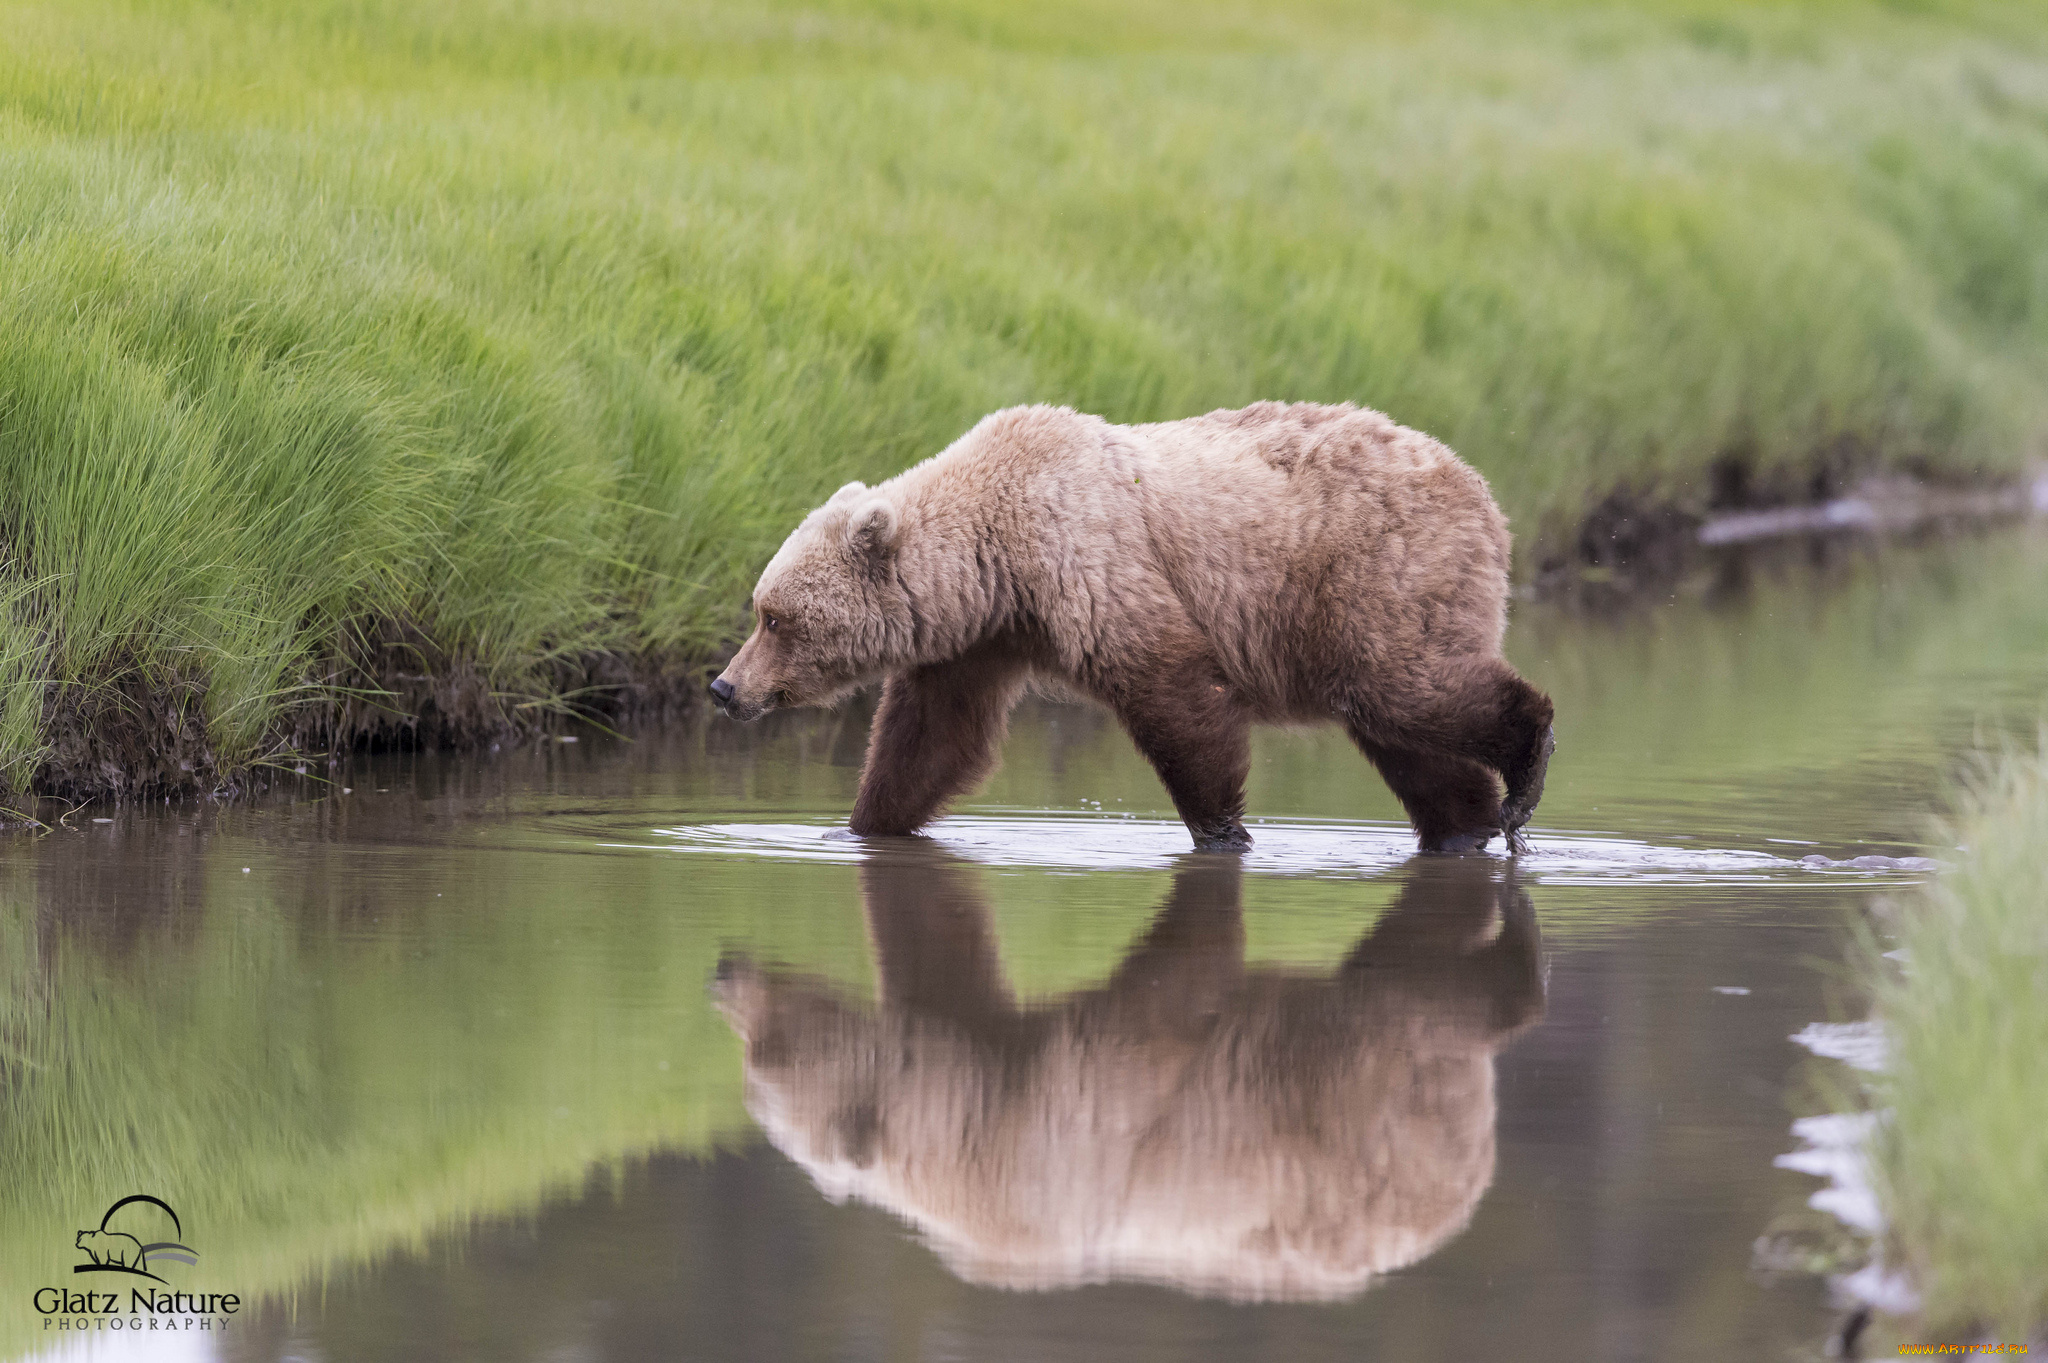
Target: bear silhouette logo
(110,1248)
(114,1251)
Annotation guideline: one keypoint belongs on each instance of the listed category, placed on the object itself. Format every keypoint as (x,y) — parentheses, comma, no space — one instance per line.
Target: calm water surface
(597,1051)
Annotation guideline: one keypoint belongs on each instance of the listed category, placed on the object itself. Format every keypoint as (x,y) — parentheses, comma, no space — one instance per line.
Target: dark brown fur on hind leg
(1525,788)
(1439,758)
(936,736)
(1439,941)
(1452,801)
(1524,742)
(1181,717)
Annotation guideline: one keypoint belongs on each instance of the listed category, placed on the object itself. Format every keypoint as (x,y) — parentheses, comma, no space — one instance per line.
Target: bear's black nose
(721,691)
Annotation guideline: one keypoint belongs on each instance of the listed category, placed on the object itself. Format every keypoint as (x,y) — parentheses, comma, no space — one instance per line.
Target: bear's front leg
(936,736)
(934,943)
(1180,714)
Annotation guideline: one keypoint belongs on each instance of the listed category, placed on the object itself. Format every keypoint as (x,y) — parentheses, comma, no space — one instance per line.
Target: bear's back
(1302,537)
(1340,448)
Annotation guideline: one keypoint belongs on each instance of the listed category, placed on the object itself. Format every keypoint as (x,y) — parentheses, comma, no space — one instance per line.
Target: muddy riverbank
(397,690)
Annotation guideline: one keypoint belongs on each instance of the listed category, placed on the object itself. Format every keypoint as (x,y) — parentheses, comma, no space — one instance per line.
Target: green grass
(523,330)
(1963,1162)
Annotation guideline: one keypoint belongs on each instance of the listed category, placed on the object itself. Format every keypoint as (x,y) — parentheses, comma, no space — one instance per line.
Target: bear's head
(812,1068)
(829,611)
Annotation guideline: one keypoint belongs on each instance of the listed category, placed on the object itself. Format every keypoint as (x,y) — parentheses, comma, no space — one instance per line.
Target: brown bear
(1250,1133)
(1279,564)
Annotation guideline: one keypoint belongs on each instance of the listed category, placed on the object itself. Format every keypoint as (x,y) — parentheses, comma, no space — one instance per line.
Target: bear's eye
(769,622)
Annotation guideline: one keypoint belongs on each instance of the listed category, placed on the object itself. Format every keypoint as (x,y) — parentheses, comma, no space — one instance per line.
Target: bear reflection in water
(1256,1133)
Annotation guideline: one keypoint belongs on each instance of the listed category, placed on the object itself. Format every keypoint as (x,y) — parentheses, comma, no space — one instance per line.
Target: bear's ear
(872,526)
(847,493)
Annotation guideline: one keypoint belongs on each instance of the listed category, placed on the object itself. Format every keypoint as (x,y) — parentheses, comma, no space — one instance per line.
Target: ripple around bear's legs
(1333,848)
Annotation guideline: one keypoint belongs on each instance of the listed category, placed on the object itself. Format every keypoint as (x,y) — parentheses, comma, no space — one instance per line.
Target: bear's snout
(726,696)
(737,990)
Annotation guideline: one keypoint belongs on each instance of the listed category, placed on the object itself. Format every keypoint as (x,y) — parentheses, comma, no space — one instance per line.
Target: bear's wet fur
(1278,564)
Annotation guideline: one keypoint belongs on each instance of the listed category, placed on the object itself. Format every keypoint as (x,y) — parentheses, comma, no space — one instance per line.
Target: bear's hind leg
(1182,718)
(1465,936)
(1525,787)
(936,735)
(1476,709)
(1194,948)
(1453,801)
(1515,730)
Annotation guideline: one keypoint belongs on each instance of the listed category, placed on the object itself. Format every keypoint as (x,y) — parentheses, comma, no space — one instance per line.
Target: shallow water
(446,1065)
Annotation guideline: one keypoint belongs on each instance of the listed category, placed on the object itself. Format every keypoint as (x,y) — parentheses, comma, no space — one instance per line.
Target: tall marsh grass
(521,331)
(1963,1162)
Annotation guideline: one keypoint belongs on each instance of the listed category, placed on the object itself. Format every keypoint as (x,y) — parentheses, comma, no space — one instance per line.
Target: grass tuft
(1963,1162)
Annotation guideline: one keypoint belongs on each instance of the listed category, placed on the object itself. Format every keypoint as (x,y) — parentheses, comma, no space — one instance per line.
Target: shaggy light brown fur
(1278,564)
(1252,1134)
